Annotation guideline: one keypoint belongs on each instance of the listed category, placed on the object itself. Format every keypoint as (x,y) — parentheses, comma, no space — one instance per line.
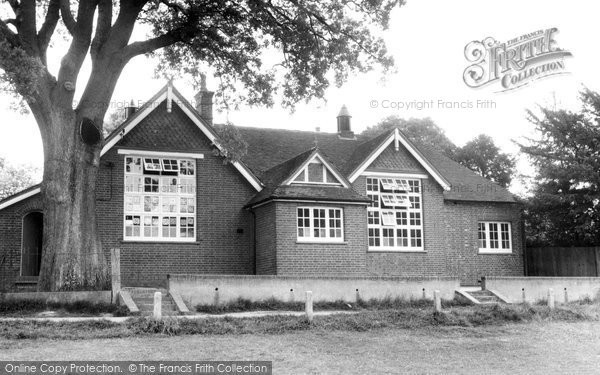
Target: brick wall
(321,259)
(449,233)
(266,240)
(463,248)
(11,226)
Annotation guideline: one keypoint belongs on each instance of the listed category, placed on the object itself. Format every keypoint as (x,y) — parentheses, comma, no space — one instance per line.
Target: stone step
(481,293)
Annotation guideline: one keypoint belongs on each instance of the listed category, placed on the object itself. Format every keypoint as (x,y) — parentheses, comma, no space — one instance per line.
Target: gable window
(160,199)
(316,172)
(494,237)
(320,224)
(394,217)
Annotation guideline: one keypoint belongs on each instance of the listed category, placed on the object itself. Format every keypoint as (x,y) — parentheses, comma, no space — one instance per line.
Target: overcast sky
(427,39)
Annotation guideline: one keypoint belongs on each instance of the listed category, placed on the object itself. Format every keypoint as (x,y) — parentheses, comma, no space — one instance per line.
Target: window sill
(323,242)
(160,242)
(396,250)
(501,252)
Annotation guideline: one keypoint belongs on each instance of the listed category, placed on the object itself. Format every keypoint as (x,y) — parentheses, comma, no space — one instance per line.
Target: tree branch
(47,29)
(27,28)
(72,61)
(67,16)
(6,34)
(147,46)
(104,23)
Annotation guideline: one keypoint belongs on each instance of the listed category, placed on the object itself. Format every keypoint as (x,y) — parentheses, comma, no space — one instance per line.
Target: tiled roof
(312,192)
(274,177)
(276,149)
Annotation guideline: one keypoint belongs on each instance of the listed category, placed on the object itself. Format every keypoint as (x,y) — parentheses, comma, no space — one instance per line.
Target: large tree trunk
(72,252)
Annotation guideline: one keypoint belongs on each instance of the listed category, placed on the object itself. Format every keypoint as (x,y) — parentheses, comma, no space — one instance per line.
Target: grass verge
(367,320)
(272,304)
(17,308)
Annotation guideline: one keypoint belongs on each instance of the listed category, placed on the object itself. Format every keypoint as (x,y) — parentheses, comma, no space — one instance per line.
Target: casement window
(316,172)
(395,215)
(494,237)
(320,224)
(160,199)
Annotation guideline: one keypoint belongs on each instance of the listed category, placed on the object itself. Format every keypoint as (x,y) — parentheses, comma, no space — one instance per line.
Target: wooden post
(551,298)
(437,301)
(309,306)
(115,265)
(157,305)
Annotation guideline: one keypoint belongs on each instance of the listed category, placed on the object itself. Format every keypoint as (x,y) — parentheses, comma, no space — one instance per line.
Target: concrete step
(484,296)
(144,300)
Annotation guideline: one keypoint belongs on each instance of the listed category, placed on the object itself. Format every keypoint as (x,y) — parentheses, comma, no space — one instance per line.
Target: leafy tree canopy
(564,209)
(15,178)
(484,157)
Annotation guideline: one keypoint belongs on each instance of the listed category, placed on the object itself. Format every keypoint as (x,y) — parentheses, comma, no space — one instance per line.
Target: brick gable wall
(224,232)
(400,160)
(11,226)
(450,233)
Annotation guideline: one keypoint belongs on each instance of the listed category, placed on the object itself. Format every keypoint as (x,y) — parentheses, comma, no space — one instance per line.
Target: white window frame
(394,184)
(387,201)
(327,238)
(164,194)
(500,249)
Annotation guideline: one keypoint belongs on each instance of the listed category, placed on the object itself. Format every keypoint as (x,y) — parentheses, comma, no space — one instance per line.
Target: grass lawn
(535,347)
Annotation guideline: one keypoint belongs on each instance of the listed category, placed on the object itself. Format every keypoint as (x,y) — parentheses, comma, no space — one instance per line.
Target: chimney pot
(343,123)
(130,109)
(204,101)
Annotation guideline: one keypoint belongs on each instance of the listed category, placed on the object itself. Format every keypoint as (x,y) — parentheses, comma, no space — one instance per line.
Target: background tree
(15,178)
(312,37)
(480,155)
(421,130)
(564,209)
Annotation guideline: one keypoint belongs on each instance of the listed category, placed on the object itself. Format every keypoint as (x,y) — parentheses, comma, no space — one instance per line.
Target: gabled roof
(274,153)
(278,183)
(317,154)
(268,148)
(171,94)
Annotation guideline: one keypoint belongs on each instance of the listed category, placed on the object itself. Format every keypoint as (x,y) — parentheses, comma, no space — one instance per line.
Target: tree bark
(72,251)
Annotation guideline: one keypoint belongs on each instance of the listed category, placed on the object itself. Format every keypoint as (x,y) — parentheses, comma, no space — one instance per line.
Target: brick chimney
(343,124)
(204,101)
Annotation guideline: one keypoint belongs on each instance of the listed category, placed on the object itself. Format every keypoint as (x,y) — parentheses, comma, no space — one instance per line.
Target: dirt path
(536,348)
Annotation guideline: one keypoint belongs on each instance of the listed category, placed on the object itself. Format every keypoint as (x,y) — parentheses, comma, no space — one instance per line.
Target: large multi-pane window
(320,224)
(494,237)
(160,199)
(395,215)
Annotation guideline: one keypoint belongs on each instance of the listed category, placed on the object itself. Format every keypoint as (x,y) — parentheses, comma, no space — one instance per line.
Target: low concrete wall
(215,289)
(532,289)
(91,296)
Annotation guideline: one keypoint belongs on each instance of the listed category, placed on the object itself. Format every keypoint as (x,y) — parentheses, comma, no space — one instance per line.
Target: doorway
(31,244)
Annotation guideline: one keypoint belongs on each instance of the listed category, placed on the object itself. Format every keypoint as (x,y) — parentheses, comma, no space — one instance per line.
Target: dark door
(31,250)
